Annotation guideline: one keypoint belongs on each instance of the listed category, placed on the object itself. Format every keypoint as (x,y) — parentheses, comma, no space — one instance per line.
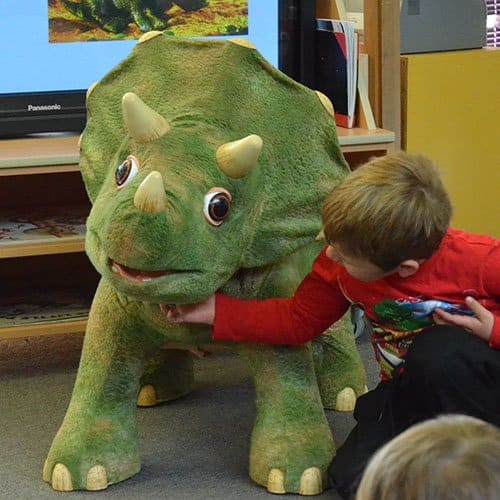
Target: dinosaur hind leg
(339,369)
(168,376)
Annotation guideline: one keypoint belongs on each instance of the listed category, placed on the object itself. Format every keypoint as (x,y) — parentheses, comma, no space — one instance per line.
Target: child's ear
(408,267)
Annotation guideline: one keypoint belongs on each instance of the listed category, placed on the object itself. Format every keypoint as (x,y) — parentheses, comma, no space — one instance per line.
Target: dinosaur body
(115,15)
(206,167)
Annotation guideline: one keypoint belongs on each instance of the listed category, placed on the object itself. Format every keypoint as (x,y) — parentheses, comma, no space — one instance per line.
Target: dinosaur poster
(93,20)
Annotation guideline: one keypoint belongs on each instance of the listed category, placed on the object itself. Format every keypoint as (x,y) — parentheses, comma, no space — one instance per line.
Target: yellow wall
(451,113)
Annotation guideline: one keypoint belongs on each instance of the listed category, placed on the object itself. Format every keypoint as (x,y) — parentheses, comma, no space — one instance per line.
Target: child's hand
(202,312)
(481,324)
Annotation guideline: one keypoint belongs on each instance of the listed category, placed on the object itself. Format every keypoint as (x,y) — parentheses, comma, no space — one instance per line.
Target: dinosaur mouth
(136,275)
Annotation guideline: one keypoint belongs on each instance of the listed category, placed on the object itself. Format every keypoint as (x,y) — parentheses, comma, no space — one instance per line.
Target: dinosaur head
(201,159)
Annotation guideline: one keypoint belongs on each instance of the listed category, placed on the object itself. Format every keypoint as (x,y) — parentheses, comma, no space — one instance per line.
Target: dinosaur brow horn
(143,123)
(236,158)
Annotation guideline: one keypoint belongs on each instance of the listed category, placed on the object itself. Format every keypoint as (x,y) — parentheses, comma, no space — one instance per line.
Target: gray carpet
(194,448)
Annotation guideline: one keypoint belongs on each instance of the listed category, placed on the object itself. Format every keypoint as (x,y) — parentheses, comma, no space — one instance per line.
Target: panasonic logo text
(44,107)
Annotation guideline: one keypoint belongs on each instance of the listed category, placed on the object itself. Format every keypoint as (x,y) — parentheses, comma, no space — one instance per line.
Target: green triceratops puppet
(206,167)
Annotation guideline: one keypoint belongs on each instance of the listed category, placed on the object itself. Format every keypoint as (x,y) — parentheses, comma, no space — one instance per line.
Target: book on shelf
(337,67)
(42,225)
(44,306)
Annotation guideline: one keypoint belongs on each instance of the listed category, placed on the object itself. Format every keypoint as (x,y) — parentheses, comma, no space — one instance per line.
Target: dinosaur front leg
(97,443)
(291,441)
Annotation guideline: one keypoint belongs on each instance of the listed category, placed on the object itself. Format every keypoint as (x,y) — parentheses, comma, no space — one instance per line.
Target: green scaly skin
(211,93)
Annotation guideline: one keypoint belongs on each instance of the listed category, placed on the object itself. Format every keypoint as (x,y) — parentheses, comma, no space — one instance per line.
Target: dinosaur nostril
(150,196)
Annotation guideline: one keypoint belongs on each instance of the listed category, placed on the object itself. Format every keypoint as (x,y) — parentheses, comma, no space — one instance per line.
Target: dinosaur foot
(147,396)
(346,399)
(61,479)
(310,482)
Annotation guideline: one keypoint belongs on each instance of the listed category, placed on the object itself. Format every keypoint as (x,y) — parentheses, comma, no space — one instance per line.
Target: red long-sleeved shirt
(464,265)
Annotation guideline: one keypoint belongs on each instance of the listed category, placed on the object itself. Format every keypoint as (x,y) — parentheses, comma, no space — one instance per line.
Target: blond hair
(453,457)
(388,210)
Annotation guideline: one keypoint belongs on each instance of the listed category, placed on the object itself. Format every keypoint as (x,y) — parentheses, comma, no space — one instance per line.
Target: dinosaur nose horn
(150,196)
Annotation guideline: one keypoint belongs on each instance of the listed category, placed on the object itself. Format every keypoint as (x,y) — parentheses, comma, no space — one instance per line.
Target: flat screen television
(53,50)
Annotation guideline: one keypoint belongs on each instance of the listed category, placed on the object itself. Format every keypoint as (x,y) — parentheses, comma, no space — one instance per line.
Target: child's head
(445,458)
(388,210)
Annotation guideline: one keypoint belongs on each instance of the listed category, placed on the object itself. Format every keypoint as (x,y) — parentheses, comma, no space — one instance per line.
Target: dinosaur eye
(216,205)
(126,171)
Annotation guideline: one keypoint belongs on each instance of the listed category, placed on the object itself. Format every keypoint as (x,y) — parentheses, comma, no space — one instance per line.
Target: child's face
(357,267)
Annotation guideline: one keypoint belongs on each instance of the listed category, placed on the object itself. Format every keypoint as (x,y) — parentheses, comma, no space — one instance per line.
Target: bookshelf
(380,45)
(47,280)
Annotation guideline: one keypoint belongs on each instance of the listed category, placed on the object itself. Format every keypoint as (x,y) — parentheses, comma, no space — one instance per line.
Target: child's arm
(317,303)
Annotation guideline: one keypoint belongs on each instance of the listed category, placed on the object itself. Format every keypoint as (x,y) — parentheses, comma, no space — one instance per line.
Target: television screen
(53,48)
(58,48)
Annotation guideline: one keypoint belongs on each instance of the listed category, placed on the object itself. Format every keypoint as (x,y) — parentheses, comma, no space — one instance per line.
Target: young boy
(451,456)
(432,294)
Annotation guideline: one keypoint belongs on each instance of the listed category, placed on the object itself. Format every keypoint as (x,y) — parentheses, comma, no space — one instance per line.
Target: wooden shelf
(42,169)
(54,153)
(354,140)
(48,328)
(42,247)
(42,154)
